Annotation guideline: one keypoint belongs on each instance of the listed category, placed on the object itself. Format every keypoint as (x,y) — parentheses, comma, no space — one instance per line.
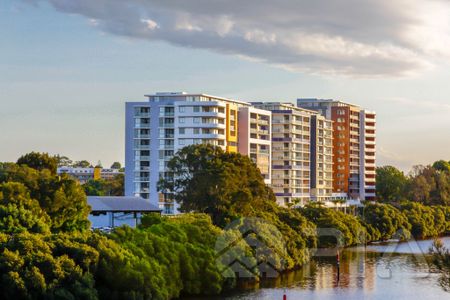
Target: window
(181,142)
(196,131)
(181,130)
(196,108)
(181,120)
(196,120)
(182,109)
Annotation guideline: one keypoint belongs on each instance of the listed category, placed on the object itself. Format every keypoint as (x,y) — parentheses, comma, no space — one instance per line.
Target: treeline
(48,252)
(429,185)
(379,222)
(99,187)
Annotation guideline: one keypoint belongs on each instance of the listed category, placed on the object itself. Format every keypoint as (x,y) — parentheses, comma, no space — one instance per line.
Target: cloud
(350,37)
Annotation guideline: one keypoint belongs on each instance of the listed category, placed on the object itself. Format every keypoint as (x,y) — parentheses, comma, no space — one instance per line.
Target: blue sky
(66,71)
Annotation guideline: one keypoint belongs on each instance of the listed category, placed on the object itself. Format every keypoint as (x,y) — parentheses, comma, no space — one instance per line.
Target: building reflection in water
(357,271)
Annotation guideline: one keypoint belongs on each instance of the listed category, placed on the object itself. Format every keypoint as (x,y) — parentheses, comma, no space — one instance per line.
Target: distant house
(83,175)
(110,212)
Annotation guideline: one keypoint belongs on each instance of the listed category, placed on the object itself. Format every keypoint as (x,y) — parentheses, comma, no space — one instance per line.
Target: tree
(38,161)
(387,220)
(105,187)
(224,185)
(82,164)
(390,184)
(18,212)
(442,165)
(61,197)
(116,165)
(441,259)
(63,161)
(34,267)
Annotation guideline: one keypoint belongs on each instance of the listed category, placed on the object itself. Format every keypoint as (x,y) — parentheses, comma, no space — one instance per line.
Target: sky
(67,67)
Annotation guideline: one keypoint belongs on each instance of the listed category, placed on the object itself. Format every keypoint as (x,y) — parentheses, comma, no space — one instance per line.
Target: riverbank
(374,272)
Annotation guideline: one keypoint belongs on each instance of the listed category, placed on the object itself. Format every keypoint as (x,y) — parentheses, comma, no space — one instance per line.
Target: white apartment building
(83,175)
(255,138)
(167,122)
(291,152)
(321,158)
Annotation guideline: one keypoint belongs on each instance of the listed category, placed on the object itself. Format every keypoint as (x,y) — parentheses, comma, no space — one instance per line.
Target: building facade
(353,149)
(321,158)
(255,138)
(291,150)
(83,175)
(167,122)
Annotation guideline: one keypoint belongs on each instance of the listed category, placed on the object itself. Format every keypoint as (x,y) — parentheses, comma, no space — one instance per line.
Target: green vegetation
(105,187)
(429,185)
(441,259)
(48,252)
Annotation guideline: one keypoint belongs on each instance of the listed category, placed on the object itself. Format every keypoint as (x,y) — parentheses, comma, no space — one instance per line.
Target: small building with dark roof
(113,211)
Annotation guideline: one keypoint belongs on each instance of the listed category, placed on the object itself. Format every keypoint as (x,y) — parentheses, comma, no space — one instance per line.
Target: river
(382,271)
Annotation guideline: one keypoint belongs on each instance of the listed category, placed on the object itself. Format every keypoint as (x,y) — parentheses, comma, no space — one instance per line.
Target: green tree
(442,165)
(390,184)
(62,198)
(18,212)
(82,164)
(441,259)
(116,165)
(224,185)
(63,161)
(387,221)
(38,161)
(31,268)
(105,187)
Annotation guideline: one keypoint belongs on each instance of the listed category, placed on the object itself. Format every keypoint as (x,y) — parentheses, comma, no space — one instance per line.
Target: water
(382,271)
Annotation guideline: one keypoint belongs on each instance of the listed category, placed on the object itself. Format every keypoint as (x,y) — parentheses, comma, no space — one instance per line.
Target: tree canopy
(39,161)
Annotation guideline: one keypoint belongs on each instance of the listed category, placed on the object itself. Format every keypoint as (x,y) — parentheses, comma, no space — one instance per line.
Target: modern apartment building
(291,151)
(167,122)
(255,138)
(83,175)
(353,146)
(321,158)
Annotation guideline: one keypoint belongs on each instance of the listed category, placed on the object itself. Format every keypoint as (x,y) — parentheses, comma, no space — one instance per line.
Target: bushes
(426,221)
(386,221)
(352,230)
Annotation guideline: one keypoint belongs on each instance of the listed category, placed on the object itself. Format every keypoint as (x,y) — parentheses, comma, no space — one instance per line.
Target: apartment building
(83,175)
(321,158)
(353,146)
(158,128)
(255,138)
(291,150)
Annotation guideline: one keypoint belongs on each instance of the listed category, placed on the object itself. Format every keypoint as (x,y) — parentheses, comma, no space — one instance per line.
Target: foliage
(35,266)
(351,230)
(105,187)
(82,164)
(60,197)
(386,221)
(441,259)
(116,165)
(19,212)
(429,185)
(39,161)
(224,185)
(391,184)
(426,221)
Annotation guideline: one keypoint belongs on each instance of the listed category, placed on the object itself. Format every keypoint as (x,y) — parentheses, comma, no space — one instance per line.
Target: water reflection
(375,272)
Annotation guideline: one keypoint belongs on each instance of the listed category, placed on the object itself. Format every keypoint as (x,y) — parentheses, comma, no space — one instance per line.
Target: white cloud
(352,37)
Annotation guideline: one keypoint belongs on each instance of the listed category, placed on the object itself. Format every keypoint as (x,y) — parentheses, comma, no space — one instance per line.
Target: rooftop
(184,94)
(120,204)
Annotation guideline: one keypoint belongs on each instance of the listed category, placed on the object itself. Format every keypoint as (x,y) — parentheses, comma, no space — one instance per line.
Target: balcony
(142,125)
